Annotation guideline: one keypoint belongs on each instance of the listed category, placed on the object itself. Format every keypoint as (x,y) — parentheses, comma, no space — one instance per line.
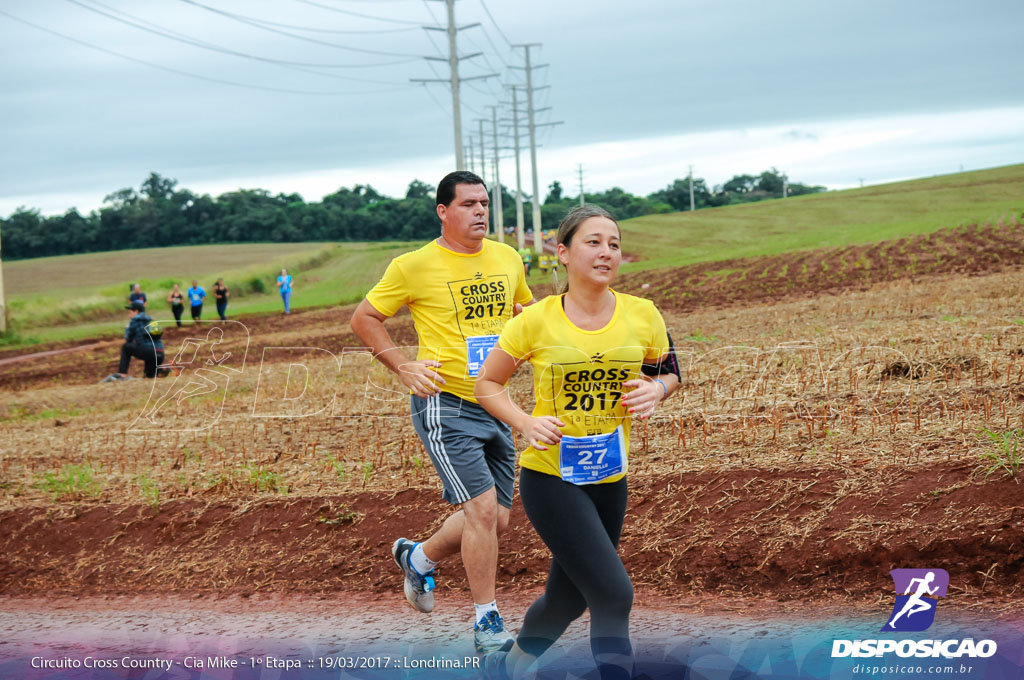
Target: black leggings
(177,309)
(581,526)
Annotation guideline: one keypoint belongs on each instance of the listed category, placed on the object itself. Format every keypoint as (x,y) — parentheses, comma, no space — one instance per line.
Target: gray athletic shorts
(471,449)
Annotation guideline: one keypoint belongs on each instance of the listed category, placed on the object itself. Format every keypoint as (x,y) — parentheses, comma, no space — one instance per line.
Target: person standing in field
(220,294)
(284,284)
(177,300)
(600,358)
(461,290)
(137,294)
(196,295)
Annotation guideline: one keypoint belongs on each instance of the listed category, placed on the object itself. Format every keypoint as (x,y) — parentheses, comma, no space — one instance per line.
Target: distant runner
(177,300)
(284,284)
(461,289)
(220,294)
(196,295)
(600,359)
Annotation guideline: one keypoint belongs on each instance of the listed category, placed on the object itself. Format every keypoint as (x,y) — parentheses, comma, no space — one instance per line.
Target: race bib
(585,460)
(477,349)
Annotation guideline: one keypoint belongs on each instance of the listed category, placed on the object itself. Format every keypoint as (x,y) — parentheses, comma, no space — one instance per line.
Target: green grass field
(60,298)
(836,218)
(76,296)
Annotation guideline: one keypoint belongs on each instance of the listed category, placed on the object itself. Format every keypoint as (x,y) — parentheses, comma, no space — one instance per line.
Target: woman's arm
(493,395)
(647,393)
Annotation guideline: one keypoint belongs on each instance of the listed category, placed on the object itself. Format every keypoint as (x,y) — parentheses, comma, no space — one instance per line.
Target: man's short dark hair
(446,189)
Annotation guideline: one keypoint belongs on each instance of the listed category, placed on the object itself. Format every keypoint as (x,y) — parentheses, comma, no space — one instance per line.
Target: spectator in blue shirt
(284,283)
(195,298)
(137,294)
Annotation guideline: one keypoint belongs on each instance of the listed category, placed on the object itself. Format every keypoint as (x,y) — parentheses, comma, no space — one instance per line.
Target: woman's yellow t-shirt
(578,374)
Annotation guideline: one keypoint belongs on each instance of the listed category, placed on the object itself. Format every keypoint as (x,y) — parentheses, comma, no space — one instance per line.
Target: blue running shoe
(489,634)
(419,588)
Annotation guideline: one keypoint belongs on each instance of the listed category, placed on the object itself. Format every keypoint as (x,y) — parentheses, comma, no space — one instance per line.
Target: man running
(461,290)
(196,295)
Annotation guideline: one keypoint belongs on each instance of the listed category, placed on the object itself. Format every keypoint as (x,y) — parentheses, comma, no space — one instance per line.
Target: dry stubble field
(826,432)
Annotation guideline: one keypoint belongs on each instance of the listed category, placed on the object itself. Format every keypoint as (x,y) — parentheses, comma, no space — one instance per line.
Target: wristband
(664,386)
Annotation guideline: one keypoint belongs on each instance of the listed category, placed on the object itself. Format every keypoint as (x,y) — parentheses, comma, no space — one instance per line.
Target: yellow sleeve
(658,345)
(513,338)
(391,292)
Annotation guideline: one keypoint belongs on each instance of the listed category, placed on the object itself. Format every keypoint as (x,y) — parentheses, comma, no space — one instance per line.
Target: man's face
(465,218)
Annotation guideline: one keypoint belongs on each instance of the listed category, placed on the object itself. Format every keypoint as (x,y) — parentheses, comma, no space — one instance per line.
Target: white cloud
(837,154)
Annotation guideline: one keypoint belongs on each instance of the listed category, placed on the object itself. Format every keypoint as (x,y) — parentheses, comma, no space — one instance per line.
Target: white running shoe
(419,588)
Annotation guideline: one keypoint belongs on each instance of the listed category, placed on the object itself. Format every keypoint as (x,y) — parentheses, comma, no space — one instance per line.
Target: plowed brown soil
(719,532)
(969,250)
(849,443)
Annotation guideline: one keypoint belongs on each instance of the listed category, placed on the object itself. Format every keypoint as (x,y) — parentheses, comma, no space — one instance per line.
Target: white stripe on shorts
(433,421)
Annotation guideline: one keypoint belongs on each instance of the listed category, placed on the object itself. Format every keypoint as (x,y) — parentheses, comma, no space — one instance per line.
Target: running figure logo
(915,608)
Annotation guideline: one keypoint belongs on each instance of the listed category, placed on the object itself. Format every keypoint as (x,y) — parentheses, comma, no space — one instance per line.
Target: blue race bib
(477,349)
(586,460)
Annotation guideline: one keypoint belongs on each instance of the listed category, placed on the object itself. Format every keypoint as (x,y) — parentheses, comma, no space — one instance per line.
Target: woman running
(220,294)
(599,358)
(177,300)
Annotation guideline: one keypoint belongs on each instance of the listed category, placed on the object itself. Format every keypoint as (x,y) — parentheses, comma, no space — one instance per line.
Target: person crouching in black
(139,343)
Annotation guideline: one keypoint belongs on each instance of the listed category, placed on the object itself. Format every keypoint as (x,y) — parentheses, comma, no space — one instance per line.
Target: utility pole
(453,60)
(581,184)
(538,244)
(520,217)
(785,186)
(499,220)
(483,163)
(691,188)
(469,144)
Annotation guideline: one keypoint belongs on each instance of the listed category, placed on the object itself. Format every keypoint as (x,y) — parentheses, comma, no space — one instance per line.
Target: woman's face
(593,255)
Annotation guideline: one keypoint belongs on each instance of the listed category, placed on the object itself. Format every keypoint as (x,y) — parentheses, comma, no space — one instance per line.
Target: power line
(484,55)
(436,100)
(269,26)
(164,33)
(496,26)
(358,14)
(188,74)
(497,52)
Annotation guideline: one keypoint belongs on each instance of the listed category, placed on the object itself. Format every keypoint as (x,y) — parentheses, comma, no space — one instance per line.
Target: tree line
(160,214)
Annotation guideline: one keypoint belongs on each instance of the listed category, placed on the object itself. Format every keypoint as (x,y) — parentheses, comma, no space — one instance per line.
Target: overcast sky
(311,95)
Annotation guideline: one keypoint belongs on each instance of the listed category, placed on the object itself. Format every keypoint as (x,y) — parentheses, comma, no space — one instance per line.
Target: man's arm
(418,376)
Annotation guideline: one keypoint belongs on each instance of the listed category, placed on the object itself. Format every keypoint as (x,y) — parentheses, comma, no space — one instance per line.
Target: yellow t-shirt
(578,374)
(454,297)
